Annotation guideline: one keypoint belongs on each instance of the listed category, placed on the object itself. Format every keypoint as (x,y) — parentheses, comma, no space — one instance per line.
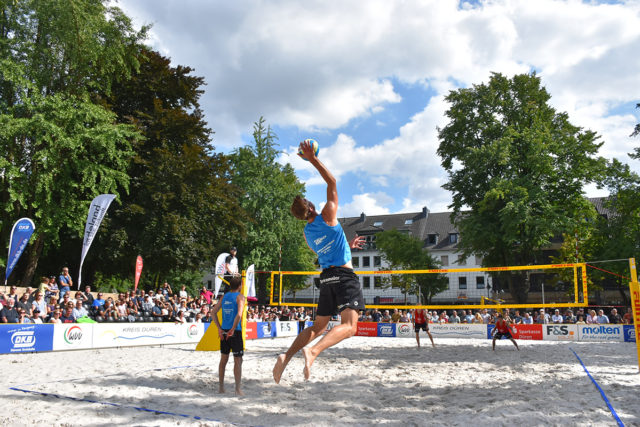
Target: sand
(362,381)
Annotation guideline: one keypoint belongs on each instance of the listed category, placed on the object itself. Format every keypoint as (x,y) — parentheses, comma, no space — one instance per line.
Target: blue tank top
(230,311)
(329,243)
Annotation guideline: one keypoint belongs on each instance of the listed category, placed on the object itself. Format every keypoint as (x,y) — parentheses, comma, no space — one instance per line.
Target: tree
(59,149)
(517,169)
(182,208)
(269,189)
(405,252)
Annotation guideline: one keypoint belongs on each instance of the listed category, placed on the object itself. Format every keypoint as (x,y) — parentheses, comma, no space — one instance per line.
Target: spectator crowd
(55,302)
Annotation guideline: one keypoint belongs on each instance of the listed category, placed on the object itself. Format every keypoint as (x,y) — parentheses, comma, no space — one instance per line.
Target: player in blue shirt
(339,286)
(230,332)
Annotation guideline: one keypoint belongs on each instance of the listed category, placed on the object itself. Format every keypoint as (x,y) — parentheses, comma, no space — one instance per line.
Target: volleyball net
(551,285)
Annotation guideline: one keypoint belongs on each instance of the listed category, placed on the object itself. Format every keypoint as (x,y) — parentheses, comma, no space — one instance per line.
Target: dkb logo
(22,339)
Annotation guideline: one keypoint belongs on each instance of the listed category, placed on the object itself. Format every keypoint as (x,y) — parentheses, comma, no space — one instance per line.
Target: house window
(444,260)
(408,221)
(209,284)
(479,282)
(366,261)
(377,224)
(377,281)
(478,260)
(366,282)
(462,283)
(462,260)
(355,261)
(432,239)
(453,238)
(376,261)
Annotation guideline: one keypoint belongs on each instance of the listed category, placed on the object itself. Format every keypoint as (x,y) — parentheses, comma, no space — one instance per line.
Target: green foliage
(405,252)
(111,284)
(181,209)
(191,279)
(269,191)
(519,167)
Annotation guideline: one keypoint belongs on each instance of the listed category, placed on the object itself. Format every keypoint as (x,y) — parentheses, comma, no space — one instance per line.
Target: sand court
(361,381)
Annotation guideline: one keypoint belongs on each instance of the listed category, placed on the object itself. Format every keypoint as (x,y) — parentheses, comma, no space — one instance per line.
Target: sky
(367,79)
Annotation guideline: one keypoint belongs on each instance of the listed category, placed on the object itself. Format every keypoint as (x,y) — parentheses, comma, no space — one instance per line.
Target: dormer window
(408,221)
(432,239)
(377,224)
(453,238)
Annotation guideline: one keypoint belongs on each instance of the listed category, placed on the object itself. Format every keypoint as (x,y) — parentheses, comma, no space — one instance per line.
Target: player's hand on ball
(306,150)
(357,242)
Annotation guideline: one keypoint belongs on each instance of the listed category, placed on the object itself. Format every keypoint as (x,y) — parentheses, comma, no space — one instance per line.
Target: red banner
(527,332)
(251,331)
(367,329)
(138,272)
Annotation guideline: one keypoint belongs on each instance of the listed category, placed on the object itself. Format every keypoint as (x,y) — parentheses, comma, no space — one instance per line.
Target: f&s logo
(557,330)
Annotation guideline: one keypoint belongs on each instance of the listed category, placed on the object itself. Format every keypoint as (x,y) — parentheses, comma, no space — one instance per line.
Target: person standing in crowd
(454,318)
(527,320)
(420,321)
(65,282)
(628,317)
(542,317)
(230,332)
(231,264)
(502,329)
(88,296)
(557,317)
(340,291)
(166,290)
(54,291)
(206,294)
(614,317)
(39,303)
(79,310)
(67,315)
(602,318)
(24,304)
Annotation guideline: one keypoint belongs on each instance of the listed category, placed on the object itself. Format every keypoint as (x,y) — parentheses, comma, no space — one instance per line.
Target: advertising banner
(404,330)
(266,329)
(72,336)
(286,329)
(219,272)
(528,332)
(386,330)
(26,338)
(596,332)
(97,211)
(629,333)
(138,272)
(458,330)
(558,332)
(130,334)
(367,329)
(20,236)
(251,331)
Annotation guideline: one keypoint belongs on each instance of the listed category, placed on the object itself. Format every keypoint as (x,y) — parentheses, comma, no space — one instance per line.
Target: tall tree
(405,252)
(59,149)
(182,207)
(269,191)
(517,169)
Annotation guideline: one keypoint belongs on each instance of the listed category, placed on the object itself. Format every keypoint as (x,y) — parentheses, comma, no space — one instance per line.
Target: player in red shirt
(503,329)
(420,321)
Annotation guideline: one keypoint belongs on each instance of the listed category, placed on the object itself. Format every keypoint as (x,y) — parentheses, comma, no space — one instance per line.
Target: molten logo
(22,339)
(73,335)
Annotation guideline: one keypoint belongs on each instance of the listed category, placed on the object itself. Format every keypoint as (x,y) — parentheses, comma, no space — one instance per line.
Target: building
(440,238)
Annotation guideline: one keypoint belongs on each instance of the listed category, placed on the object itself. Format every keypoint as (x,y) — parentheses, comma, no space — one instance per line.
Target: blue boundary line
(120,405)
(604,396)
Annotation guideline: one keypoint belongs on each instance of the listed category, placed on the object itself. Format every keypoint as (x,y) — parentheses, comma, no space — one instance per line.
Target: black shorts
(423,326)
(499,335)
(339,289)
(234,343)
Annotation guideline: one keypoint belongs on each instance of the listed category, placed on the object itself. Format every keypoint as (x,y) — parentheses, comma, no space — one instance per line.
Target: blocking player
(420,321)
(503,329)
(339,286)
(230,332)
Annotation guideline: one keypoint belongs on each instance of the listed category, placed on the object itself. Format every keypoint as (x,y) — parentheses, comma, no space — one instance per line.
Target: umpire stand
(634,293)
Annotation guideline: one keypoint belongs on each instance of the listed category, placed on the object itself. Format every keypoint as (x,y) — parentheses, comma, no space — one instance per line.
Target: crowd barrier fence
(19,338)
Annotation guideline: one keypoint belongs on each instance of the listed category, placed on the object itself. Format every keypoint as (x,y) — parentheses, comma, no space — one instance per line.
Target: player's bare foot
(221,390)
(308,361)
(239,392)
(278,369)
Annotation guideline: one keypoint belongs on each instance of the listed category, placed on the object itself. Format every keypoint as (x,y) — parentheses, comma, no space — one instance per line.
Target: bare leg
(346,329)
(305,337)
(237,373)
(418,338)
(515,343)
(431,338)
(494,343)
(224,358)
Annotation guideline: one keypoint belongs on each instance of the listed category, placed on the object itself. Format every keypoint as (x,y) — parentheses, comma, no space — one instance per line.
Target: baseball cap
(233,248)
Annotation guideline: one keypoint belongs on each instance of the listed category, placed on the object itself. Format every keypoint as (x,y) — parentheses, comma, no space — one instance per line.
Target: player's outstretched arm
(330,210)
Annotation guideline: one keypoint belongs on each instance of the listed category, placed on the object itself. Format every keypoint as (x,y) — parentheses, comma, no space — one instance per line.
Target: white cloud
(369,203)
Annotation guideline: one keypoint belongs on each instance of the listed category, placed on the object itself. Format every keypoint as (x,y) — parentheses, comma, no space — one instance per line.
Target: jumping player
(503,329)
(339,286)
(420,321)
(230,332)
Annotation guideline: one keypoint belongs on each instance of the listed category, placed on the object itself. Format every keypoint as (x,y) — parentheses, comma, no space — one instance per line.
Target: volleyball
(314,144)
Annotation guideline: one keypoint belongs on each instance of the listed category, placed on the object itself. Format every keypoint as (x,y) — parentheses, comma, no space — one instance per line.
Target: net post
(272,285)
(634,293)
(575,283)
(585,293)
